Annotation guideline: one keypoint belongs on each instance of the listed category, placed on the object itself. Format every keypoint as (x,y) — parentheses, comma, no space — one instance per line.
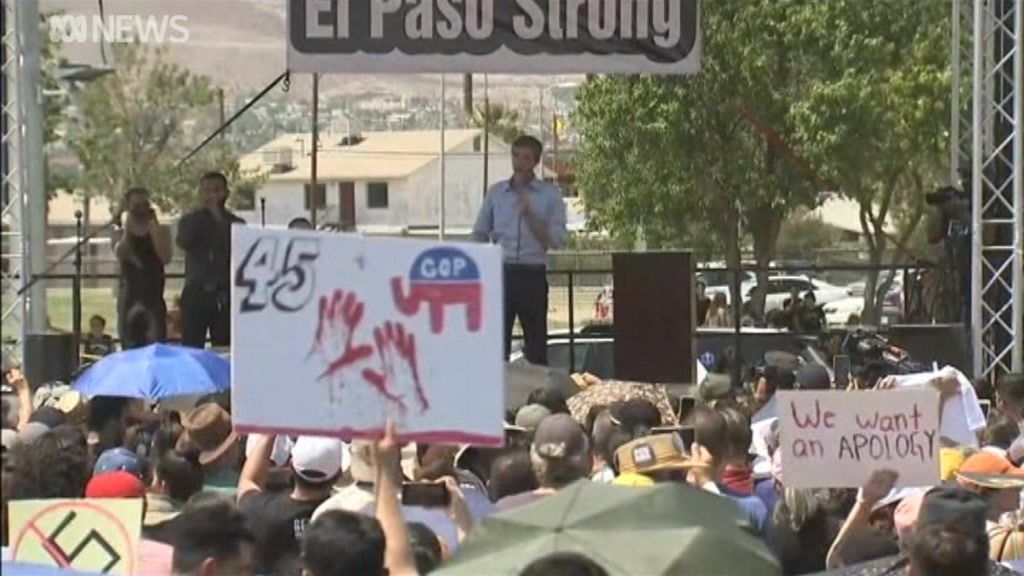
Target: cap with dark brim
(996,481)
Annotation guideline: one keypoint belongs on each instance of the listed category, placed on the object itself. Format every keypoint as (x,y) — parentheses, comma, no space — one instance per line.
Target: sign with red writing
(836,439)
(335,333)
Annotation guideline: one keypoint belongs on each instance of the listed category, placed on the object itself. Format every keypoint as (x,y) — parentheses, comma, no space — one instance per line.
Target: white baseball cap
(318,459)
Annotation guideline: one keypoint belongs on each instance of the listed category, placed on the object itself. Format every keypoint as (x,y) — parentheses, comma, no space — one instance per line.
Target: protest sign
(87,535)
(496,36)
(334,333)
(836,439)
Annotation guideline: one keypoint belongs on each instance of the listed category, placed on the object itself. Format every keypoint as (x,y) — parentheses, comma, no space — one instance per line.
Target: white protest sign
(836,439)
(334,333)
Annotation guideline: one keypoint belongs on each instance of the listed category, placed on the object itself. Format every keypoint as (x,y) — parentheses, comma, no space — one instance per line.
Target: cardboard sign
(496,36)
(836,439)
(87,535)
(334,333)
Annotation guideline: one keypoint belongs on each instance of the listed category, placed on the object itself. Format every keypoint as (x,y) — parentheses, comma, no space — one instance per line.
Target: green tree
(55,103)
(137,125)
(801,236)
(874,119)
(688,161)
(499,119)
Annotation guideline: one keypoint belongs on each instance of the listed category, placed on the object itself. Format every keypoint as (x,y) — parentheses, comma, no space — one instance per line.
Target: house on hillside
(380,182)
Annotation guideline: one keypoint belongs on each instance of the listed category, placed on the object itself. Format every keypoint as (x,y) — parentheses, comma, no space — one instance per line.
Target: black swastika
(64,558)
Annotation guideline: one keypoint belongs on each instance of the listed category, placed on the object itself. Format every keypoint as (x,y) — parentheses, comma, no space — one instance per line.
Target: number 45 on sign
(285,278)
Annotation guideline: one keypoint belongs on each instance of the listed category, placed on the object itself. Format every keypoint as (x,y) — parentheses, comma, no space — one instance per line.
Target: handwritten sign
(88,535)
(836,439)
(334,333)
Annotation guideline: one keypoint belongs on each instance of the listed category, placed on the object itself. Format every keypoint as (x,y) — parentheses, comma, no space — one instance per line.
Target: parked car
(718,282)
(780,288)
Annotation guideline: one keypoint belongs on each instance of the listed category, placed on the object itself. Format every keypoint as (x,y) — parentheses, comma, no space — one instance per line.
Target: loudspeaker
(49,357)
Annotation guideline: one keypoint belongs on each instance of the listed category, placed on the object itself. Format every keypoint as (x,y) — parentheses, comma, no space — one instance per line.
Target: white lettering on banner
(836,439)
(607,30)
(445,269)
(665,23)
(451,26)
(419,22)
(378,8)
(479,19)
(531,11)
(538,36)
(314,29)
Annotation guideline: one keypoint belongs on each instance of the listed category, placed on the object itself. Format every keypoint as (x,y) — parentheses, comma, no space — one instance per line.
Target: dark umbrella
(661,530)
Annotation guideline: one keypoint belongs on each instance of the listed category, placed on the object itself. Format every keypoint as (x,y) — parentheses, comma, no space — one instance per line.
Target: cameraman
(143,249)
(950,223)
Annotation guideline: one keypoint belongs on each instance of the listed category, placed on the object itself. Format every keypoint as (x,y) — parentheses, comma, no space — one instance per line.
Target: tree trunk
(733,260)
(467,97)
(764,225)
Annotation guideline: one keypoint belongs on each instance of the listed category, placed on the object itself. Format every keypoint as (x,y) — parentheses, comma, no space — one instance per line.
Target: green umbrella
(667,529)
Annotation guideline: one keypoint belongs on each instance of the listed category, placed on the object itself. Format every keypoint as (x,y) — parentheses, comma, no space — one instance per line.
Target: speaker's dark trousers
(205,309)
(526,298)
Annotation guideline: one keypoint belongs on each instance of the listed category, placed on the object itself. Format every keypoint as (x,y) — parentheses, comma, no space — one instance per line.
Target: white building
(380,182)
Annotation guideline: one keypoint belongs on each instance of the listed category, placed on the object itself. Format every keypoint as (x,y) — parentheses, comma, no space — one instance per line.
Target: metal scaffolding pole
(23,191)
(30,86)
(997,192)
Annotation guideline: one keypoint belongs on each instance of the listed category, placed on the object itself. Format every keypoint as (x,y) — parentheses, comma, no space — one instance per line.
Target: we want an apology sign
(836,439)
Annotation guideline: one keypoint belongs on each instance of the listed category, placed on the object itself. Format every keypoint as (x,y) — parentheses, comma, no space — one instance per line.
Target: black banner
(494,35)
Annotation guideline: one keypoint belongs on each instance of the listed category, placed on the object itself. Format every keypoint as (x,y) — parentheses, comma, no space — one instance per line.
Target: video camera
(864,347)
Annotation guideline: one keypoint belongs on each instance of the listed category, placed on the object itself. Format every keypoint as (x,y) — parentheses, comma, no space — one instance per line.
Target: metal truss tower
(997,184)
(22,191)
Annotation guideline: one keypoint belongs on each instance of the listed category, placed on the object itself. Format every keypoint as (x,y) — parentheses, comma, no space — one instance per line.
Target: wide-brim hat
(207,427)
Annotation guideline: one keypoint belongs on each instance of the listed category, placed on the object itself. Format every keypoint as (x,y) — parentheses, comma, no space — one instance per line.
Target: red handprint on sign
(399,376)
(340,316)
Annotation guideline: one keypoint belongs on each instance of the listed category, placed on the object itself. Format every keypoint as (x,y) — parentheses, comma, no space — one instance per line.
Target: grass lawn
(101,301)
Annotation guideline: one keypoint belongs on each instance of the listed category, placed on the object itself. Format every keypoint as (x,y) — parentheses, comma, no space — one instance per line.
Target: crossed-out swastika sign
(90,535)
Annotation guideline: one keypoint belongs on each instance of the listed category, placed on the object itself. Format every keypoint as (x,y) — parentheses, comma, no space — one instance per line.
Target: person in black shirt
(97,343)
(143,249)
(205,236)
(279,519)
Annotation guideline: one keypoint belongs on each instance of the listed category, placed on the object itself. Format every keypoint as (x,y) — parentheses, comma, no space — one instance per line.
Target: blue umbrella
(23,569)
(156,371)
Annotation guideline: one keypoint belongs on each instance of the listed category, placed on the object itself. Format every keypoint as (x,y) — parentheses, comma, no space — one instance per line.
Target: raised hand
(398,379)
(878,486)
(340,316)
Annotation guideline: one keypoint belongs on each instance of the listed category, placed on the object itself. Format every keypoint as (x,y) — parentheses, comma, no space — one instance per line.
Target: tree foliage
(138,123)
(875,115)
(794,98)
(499,119)
(688,160)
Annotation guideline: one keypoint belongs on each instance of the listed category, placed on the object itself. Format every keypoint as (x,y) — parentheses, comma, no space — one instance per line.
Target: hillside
(241,45)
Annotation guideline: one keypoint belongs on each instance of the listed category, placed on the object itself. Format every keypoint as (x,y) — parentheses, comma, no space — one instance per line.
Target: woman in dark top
(800,531)
(143,249)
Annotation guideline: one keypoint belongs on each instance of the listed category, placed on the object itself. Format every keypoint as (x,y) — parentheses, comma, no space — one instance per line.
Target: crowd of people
(219,503)
(216,502)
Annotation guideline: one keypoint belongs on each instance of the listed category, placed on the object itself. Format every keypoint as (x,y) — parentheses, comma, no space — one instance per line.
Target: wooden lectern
(654,316)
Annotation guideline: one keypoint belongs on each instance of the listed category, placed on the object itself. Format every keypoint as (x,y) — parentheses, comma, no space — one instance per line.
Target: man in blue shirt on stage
(526,217)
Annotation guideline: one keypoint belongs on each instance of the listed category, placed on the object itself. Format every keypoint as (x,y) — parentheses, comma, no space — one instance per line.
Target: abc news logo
(119,28)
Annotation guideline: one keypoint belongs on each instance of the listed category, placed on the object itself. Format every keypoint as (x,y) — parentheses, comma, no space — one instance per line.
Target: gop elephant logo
(441,277)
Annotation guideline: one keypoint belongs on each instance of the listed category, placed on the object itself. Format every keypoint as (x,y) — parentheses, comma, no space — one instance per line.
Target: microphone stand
(76,293)
(76,287)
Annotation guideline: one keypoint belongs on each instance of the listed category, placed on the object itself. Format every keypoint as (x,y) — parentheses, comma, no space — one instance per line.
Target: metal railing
(590,284)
